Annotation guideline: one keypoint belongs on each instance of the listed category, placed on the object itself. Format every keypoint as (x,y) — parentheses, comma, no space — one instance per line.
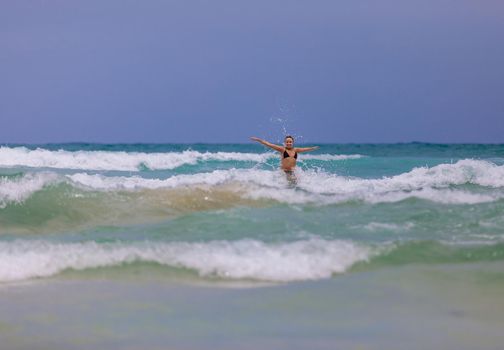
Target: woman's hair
(289,137)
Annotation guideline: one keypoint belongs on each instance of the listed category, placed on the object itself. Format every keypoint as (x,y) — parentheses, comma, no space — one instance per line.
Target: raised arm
(268,144)
(306,149)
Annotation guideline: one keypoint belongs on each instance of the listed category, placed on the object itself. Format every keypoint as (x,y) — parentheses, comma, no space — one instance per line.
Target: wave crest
(130,161)
(440,184)
(18,189)
(245,259)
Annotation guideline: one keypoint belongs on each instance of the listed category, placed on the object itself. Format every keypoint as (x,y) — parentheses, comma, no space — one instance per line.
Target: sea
(374,246)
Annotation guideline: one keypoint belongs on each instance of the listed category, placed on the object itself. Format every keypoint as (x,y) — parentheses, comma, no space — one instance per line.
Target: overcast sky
(221,71)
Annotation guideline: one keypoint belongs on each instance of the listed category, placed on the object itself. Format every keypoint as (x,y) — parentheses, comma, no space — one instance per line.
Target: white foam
(16,190)
(445,196)
(246,259)
(128,161)
(106,160)
(444,175)
(379,226)
(466,171)
(217,177)
(433,184)
(319,187)
(329,157)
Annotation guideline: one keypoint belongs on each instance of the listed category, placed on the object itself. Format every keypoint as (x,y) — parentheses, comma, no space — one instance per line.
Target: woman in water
(289,154)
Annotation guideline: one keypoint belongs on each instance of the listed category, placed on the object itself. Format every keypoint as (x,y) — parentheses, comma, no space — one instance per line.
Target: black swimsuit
(286,155)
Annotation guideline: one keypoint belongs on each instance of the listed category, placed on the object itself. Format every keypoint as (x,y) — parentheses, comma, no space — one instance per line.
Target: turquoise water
(225,213)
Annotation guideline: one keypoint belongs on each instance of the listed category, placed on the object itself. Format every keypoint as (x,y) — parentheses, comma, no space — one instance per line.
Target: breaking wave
(245,259)
(439,184)
(249,259)
(130,161)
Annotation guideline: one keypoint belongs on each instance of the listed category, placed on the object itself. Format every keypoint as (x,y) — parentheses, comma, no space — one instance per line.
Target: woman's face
(289,142)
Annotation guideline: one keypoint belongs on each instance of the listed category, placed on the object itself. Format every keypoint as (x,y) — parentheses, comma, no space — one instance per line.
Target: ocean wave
(329,157)
(246,259)
(467,171)
(433,184)
(444,196)
(439,184)
(18,189)
(311,259)
(463,172)
(130,161)
(214,178)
